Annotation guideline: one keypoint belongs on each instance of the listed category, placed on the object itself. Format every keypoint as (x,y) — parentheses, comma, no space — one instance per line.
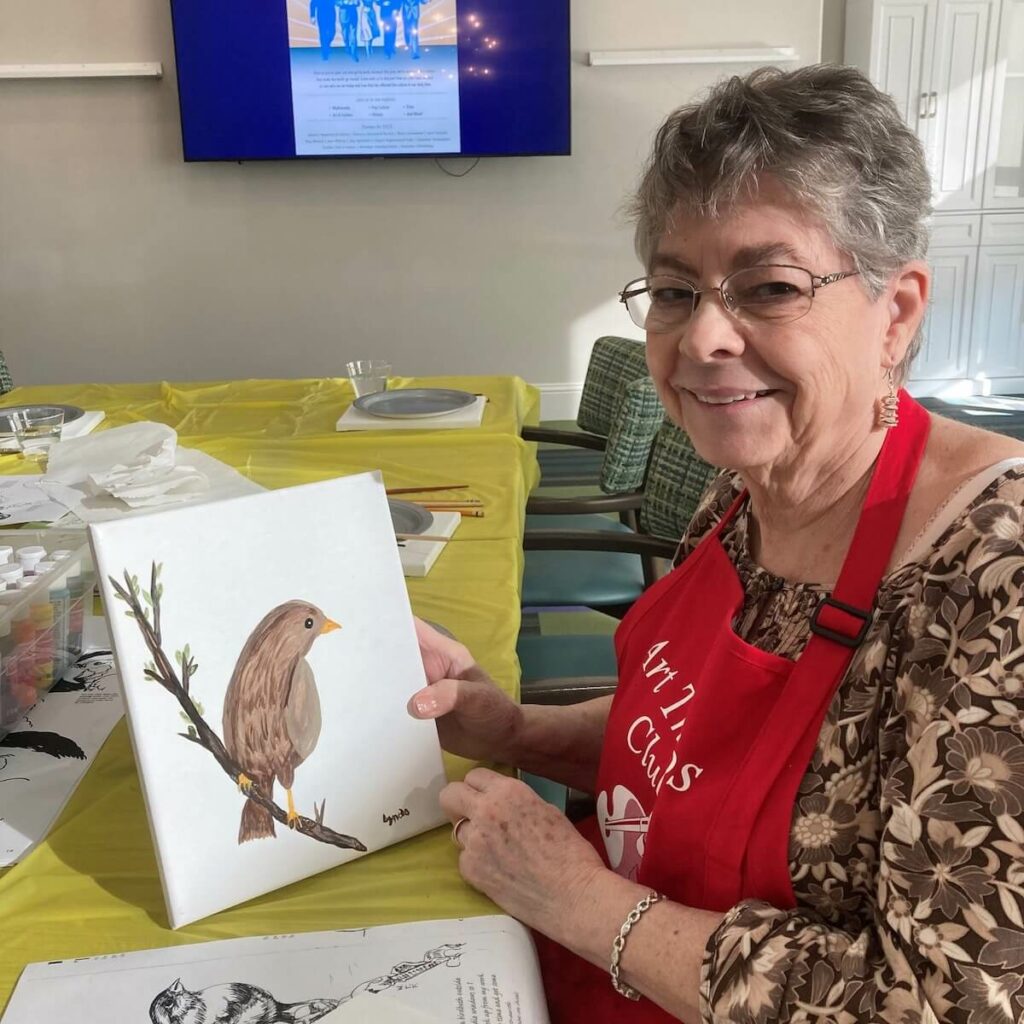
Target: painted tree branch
(161,671)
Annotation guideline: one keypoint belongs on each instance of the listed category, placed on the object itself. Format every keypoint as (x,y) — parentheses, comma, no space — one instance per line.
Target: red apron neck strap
(845,615)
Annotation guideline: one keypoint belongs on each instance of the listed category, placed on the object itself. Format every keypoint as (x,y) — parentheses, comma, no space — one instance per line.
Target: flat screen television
(281,79)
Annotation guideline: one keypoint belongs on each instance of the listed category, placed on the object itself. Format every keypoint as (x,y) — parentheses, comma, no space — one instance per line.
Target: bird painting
(271,713)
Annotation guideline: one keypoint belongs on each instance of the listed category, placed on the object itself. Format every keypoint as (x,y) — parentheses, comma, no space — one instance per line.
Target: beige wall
(118,261)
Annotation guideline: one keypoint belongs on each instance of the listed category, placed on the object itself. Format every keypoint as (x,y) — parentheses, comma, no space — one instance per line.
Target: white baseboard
(559,401)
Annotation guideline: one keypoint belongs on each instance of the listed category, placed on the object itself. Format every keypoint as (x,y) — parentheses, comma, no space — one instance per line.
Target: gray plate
(409,518)
(414,403)
(71,413)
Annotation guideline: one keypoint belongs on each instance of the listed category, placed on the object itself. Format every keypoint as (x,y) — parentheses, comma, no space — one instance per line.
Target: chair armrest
(572,438)
(566,691)
(599,540)
(594,503)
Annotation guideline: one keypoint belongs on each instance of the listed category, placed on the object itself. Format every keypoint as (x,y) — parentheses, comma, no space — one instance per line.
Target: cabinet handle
(933,104)
(922,107)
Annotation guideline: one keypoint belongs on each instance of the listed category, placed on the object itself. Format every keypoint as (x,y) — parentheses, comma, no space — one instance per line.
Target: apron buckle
(838,624)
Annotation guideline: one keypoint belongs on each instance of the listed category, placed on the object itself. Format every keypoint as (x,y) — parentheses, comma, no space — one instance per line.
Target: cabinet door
(1004,177)
(960,100)
(901,54)
(947,326)
(997,338)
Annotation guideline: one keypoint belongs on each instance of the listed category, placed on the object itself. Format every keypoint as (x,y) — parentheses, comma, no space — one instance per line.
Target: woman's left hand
(518,850)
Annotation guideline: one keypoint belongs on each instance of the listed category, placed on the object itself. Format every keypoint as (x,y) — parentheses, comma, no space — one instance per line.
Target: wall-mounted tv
(280,79)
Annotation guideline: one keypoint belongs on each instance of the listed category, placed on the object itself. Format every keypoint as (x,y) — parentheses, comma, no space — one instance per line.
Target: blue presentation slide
(369,76)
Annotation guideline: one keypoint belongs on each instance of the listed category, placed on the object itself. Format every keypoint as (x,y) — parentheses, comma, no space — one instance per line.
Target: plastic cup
(37,430)
(368,376)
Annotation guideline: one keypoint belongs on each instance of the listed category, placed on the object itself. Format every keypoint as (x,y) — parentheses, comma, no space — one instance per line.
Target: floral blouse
(907,843)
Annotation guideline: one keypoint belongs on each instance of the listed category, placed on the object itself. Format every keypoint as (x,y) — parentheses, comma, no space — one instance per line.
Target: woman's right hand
(474,718)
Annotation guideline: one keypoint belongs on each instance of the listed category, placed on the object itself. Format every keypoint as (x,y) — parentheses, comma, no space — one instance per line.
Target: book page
(480,970)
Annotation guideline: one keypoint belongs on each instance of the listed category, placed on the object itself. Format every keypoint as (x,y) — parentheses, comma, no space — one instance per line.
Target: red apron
(709,737)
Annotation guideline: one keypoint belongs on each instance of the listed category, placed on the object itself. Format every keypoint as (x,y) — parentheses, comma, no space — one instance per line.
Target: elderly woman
(810,782)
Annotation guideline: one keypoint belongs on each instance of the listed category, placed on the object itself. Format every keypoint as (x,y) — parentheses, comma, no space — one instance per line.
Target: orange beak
(330,626)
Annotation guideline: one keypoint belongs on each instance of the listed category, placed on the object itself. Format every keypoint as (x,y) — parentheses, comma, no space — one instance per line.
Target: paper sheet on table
(138,468)
(32,499)
(479,969)
(472,416)
(45,756)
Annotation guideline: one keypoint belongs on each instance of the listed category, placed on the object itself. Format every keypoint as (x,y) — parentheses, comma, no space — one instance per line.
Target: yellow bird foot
(293,819)
(244,783)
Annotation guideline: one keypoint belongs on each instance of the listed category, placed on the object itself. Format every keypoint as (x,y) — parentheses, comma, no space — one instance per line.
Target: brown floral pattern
(907,839)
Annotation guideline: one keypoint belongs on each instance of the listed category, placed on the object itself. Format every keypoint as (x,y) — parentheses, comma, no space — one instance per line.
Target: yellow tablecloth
(92,887)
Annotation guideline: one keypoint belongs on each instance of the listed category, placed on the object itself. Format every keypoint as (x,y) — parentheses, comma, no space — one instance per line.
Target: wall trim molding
(559,401)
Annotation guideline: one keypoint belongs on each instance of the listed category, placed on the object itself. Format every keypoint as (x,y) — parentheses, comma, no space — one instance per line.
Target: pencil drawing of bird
(271,713)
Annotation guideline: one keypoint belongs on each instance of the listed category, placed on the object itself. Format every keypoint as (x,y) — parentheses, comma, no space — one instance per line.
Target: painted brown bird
(272,709)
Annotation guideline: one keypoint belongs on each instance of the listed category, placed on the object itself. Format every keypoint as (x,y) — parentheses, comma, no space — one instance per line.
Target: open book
(480,969)
(267,651)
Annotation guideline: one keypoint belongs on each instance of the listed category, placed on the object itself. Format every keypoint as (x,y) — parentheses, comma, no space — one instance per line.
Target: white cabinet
(947,327)
(956,71)
(998,335)
(1004,180)
(936,59)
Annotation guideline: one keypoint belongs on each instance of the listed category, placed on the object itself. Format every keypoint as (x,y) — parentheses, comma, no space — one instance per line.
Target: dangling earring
(889,417)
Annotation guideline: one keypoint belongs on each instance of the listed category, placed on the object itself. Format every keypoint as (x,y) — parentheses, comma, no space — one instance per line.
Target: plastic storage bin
(41,615)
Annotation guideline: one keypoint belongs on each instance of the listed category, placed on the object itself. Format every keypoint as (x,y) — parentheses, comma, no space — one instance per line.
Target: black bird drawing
(233,1003)
(51,743)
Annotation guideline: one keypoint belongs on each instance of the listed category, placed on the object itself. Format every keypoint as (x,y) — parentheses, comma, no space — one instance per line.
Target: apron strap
(782,752)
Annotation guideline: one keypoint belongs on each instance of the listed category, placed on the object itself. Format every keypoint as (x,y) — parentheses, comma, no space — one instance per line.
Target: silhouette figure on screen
(324,14)
(411,25)
(367,28)
(349,11)
(389,24)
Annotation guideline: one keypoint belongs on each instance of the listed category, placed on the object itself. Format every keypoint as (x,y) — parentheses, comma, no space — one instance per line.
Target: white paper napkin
(135,464)
(138,468)
(470,416)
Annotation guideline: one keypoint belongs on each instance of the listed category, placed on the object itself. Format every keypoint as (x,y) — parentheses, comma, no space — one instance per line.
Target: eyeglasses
(773,293)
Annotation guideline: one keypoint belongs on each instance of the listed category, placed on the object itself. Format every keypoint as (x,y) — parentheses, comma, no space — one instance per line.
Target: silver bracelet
(620,944)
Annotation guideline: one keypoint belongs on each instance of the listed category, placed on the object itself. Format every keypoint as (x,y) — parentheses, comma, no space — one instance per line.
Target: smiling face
(766,397)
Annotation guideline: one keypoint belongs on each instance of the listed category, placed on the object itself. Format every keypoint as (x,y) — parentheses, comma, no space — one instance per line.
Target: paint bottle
(22,683)
(9,709)
(30,557)
(41,615)
(6,554)
(60,555)
(11,576)
(79,592)
(60,598)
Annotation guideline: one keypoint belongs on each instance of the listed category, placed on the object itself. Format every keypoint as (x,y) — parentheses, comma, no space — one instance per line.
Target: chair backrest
(636,417)
(614,363)
(6,383)
(677,477)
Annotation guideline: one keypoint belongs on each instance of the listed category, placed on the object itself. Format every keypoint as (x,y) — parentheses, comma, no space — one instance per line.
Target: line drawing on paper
(241,1003)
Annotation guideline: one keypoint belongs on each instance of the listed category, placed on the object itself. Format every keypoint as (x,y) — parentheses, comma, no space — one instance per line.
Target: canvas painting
(267,652)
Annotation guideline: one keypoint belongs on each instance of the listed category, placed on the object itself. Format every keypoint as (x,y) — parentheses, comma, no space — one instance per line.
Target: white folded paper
(134,463)
(471,416)
(33,499)
(139,468)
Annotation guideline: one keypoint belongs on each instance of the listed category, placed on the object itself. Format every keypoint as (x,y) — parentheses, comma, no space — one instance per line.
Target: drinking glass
(368,376)
(37,429)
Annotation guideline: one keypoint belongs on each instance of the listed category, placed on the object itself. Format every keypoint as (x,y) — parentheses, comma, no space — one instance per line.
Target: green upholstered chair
(614,364)
(6,383)
(565,668)
(552,578)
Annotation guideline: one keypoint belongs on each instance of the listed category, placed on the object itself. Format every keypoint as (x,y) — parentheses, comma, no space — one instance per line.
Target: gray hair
(830,137)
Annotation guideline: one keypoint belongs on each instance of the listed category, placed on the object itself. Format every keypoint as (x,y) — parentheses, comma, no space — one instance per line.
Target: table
(92,886)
